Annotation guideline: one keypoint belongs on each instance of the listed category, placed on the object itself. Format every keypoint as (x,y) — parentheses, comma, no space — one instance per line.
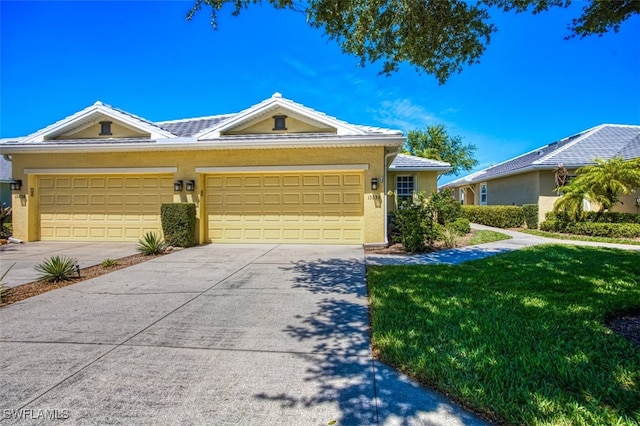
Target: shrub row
(594,229)
(497,216)
(606,217)
(530,212)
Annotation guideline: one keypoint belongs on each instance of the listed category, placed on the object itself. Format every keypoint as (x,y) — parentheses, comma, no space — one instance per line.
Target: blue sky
(531,88)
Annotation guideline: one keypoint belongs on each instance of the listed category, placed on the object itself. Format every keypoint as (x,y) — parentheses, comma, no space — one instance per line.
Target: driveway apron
(217,334)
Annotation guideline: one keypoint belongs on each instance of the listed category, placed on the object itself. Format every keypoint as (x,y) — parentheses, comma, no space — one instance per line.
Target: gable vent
(105,128)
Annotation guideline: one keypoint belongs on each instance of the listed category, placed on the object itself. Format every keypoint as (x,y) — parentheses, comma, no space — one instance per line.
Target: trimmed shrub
(446,208)
(613,217)
(58,268)
(594,229)
(496,216)
(461,225)
(179,224)
(530,212)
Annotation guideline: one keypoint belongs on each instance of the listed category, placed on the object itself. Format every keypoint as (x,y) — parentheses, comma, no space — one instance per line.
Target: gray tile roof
(191,126)
(604,142)
(405,162)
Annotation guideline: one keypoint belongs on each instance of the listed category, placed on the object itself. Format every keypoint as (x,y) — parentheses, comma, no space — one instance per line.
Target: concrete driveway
(218,334)
(20,259)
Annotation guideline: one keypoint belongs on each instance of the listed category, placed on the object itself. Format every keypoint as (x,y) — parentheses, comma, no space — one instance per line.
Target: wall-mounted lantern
(374,184)
(190,185)
(15,185)
(177,186)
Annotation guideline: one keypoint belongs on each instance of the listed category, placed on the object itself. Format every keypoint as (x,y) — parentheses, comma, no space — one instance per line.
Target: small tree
(435,143)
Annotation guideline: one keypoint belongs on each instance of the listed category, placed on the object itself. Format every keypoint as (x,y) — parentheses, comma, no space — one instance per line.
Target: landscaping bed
(472,238)
(24,291)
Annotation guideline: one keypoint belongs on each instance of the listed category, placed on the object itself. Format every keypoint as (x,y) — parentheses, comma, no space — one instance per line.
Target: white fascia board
(276,169)
(170,145)
(102,171)
(343,128)
(421,169)
(92,110)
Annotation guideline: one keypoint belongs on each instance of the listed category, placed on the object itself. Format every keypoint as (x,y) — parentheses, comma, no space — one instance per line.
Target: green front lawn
(519,337)
(484,236)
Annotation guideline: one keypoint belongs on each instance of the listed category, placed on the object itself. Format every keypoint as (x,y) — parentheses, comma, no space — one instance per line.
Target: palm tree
(603,183)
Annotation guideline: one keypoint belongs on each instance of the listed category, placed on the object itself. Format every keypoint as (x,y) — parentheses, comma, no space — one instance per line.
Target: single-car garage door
(101,207)
(286,207)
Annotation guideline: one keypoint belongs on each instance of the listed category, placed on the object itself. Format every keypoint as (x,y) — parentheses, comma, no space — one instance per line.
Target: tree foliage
(435,143)
(602,183)
(437,37)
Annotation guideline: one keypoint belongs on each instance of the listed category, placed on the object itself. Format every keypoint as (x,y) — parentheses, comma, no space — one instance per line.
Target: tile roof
(191,126)
(405,162)
(604,141)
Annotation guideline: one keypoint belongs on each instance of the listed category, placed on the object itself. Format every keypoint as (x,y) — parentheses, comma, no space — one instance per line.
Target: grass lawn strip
(574,237)
(485,236)
(520,337)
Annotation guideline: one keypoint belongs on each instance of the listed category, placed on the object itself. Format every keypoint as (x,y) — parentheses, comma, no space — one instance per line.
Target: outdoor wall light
(374,184)
(177,186)
(15,185)
(190,185)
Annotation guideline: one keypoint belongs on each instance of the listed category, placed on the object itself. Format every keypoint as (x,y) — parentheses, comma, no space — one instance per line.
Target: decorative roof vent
(105,128)
(277,95)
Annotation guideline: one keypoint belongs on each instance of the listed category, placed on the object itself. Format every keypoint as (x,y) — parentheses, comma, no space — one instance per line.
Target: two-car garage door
(309,207)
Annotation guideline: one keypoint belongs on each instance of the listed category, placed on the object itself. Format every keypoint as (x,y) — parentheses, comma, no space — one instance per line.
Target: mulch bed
(35,288)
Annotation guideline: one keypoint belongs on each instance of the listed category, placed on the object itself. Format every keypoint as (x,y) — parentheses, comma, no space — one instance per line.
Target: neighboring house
(5,181)
(276,172)
(530,178)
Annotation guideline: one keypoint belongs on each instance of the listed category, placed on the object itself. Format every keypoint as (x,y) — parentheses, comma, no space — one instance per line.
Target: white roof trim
(102,171)
(94,110)
(342,127)
(276,169)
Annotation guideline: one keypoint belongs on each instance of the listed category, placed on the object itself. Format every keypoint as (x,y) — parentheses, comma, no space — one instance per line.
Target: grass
(520,337)
(560,236)
(483,237)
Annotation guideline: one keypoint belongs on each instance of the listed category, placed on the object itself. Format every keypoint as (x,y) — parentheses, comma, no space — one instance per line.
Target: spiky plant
(151,244)
(58,268)
(109,263)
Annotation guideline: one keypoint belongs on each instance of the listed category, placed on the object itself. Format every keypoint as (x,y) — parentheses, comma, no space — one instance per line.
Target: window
(280,122)
(404,188)
(105,128)
(483,194)
(461,197)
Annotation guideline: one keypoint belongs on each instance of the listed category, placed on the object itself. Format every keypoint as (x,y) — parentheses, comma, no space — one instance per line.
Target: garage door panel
(101,208)
(289,207)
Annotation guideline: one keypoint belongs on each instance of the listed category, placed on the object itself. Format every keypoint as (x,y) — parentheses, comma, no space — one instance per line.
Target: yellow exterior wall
(93,132)
(426,182)
(25,212)
(514,190)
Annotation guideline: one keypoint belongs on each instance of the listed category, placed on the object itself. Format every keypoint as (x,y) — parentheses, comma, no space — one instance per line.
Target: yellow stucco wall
(426,182)
(24,201)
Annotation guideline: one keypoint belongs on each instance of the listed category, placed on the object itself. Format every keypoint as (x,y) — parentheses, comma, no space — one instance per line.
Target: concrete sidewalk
(217,334)
(21,259)
(456,256)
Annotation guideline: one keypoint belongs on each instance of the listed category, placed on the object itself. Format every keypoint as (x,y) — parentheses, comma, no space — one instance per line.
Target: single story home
(277,172)
(531,178)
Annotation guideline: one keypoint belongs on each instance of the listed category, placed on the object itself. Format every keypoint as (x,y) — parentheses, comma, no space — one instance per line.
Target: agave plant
(151,244)
(58,268)
(109,263)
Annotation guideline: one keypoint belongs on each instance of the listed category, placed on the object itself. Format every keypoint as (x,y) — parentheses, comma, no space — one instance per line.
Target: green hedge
(461,224)
(497,216)
(606,217)
(594,229)
(179,224)
(530,212)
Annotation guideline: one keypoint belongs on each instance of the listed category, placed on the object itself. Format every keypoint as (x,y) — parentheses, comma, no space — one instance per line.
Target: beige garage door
(101,207)
(286,208)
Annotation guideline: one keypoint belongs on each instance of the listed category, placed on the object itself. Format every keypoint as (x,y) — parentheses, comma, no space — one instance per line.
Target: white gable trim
(276,101)
(92,112)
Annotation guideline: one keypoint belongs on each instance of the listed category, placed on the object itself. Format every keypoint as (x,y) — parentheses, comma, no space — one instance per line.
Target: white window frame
(461,195)
(484,192)
(405,196)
